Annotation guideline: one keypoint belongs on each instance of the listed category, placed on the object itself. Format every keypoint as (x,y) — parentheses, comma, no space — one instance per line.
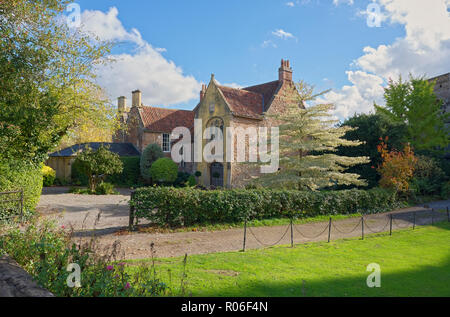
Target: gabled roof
(267,90)
(252,101)
(122,149)
(165,120)
(243,103)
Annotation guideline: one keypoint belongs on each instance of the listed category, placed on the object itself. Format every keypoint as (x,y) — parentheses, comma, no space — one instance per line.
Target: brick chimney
(137,98)
(202,92)
(285,71)
(122,104)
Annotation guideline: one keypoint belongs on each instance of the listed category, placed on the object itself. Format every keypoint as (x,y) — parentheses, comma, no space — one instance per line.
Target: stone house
(219,106)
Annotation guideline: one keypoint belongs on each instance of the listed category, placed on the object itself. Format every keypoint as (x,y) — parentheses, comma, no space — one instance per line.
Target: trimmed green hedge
(188,206)
(15,175)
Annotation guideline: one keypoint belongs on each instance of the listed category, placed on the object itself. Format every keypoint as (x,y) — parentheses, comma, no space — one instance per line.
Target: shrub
(189,206)
(45,252)
(15,175)
(151,154)
(105,189)
(428,177)
(96,165)
(49,175)
(191,182)
(164,171)
(182,179)
(131,174)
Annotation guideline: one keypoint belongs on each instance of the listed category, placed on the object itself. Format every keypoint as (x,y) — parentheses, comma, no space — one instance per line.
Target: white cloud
(425,50)
(160,80)
(338,2)
(290,4)
(283,34)
(268,43)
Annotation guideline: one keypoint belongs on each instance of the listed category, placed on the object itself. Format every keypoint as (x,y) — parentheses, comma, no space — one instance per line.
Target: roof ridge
(269,82)
(153,107)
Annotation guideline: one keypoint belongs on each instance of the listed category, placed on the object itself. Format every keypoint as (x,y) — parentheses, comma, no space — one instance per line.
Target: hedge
(15,175)
(189,206)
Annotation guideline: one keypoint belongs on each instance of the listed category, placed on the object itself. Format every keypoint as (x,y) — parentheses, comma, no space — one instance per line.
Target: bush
(164,171)
(105,189)
(78,176)
(131,174)
(188,206)
(151,154)
(428,177)
(182,179)
(15,175)
(97,165)
(45,252)
(49,175)
(191,182)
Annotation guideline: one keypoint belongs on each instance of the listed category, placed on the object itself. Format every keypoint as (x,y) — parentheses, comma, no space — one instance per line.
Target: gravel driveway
(80,211)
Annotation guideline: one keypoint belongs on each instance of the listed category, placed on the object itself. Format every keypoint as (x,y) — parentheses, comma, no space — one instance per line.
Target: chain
(373,231)
(340,231)
(268,245)
(327,227)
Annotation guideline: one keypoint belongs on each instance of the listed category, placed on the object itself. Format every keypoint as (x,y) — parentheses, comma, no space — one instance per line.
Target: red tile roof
(165,120)
(250,101)
(243,103)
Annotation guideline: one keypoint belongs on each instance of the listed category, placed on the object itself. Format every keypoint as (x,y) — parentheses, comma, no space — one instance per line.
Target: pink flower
(127,286)
(110,267)
(63,227)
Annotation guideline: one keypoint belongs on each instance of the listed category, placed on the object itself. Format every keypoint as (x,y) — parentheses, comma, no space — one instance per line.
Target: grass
(413,263)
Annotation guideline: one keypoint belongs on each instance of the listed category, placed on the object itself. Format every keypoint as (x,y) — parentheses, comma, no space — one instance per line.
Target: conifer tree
(308,140)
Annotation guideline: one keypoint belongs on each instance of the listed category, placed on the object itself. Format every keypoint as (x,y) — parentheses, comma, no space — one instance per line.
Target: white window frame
(162,142)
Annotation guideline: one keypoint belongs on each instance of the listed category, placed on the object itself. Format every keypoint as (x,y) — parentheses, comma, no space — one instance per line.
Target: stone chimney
(137,98)
(285,71)
(122,104)
(202,92)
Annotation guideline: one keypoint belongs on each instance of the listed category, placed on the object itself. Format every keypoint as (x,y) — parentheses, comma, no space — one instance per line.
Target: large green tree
(414,103)
(47,81)
(309,139)
(369,129)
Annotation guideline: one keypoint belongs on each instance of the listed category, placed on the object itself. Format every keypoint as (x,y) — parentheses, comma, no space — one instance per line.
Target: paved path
(114,215)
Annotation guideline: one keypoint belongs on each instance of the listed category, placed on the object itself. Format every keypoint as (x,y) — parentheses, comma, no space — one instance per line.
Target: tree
(46,77)
(369,128)
(414,103)
(151,153)
(397,168)
(96,165)
(164,171)
(309,139)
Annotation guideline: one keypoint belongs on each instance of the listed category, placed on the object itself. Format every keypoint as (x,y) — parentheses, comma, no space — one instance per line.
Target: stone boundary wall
(16,282)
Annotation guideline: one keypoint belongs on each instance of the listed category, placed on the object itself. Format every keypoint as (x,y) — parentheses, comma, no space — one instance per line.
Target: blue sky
(243,41)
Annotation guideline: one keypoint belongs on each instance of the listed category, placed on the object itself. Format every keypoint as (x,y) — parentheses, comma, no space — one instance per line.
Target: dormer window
(166,142)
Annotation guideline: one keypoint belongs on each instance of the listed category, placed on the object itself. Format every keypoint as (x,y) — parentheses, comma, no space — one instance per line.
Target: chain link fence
(359,227)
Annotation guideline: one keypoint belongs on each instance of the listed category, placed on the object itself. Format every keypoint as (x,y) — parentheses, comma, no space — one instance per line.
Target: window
(166,142)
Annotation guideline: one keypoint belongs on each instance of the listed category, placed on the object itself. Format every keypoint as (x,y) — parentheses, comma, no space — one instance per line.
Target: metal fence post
(414,223)
(132,213)
(362,227)
(329,231)
(21,205)
(432,216)
(292,234)
(245,235)
(390,225)
(448,215)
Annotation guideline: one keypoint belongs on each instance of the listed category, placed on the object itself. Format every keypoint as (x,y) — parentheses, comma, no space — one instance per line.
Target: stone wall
(16,282)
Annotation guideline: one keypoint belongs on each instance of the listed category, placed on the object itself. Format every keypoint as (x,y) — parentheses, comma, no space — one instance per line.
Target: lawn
(413,263)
